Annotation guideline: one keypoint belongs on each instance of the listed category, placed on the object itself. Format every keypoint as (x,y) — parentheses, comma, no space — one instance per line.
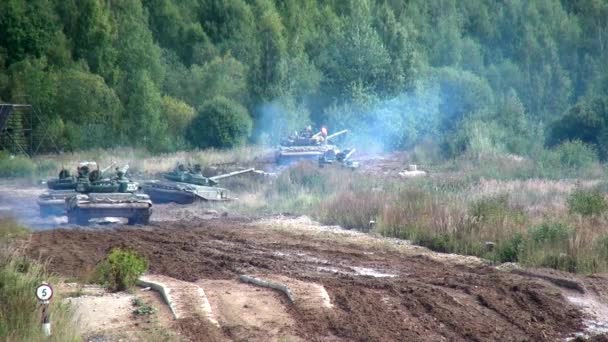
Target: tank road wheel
(140,217)
(78,218)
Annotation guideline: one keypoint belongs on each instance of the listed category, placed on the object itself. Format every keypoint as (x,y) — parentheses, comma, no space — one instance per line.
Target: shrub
(570,155)
(443,243)
(587,202)
(220,123)
(509,250)
(19,309)
(16,166)
(550,233)
(121,269)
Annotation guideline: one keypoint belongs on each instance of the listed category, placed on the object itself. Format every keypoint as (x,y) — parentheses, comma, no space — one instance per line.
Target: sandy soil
(103,316)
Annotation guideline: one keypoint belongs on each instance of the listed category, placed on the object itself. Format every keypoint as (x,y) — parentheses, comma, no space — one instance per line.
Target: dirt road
(390,293)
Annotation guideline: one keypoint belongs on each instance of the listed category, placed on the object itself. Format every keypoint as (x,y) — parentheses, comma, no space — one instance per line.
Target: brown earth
(411,298)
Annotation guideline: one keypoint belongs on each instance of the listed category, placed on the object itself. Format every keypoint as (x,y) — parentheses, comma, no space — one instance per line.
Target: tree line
(471,75)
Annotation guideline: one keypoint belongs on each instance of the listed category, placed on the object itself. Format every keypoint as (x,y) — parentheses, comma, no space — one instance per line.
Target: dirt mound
(422,299)
(199,329)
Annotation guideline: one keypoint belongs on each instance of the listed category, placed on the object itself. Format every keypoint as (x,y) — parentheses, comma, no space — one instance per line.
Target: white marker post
(44,293)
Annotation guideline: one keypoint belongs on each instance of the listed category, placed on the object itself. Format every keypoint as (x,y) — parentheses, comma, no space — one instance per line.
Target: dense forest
(508,76)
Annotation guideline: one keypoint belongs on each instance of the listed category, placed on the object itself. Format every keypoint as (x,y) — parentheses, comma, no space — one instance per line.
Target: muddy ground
(379,289)
(377,294)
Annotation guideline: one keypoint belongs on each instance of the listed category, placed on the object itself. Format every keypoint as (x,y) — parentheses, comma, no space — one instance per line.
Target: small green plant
(587,202)
(509,250)
(141,308)
(121,269)
(550,233)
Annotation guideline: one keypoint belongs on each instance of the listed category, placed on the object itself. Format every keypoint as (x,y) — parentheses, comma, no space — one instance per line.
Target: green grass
(19,309)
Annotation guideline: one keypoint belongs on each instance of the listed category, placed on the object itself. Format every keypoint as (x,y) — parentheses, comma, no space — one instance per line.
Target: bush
(121,269)
(19,309)
(587,202)
(220,123)
(550,233)
(16,166)
(509,250)
(570,155)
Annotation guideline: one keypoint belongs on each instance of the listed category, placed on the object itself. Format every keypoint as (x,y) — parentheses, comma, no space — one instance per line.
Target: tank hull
(183,193)
(290,154)
(52,203)
(61,184)
(136,208)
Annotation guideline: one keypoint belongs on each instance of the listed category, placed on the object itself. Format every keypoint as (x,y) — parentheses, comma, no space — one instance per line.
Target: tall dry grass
(19,310)
(142,161)
(501,220)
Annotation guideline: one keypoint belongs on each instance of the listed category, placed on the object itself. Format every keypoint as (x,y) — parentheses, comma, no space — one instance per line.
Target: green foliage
(19,308)
(178,115)
(570,155)
(220,123)
(586,122)
(11,230)
(141,308)
(509,250)
(550,233)
(587,202)
(16,166)
(490,209)
(478,76)
(121,268)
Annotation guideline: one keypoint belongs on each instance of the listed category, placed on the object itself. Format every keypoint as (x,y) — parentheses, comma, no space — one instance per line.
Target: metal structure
(17,129)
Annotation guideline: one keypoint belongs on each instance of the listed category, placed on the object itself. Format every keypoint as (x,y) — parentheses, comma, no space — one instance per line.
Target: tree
(356,56)
(178,116)
(90,108)
(586,121)
(144,126)
(220,123)
(267,78)
(27,28)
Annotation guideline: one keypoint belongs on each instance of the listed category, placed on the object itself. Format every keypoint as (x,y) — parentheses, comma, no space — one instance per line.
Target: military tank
(188,185)
(52,202)
(99,196)
(336,157)
(306,145)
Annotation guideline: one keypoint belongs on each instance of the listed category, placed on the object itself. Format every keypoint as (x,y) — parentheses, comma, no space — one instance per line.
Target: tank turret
(100,194)
(305,145)
(187,185)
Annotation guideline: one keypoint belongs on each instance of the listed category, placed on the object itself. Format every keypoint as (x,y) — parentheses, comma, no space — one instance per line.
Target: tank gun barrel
(337,134)
(104,170)
(231,174)
(349,154)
